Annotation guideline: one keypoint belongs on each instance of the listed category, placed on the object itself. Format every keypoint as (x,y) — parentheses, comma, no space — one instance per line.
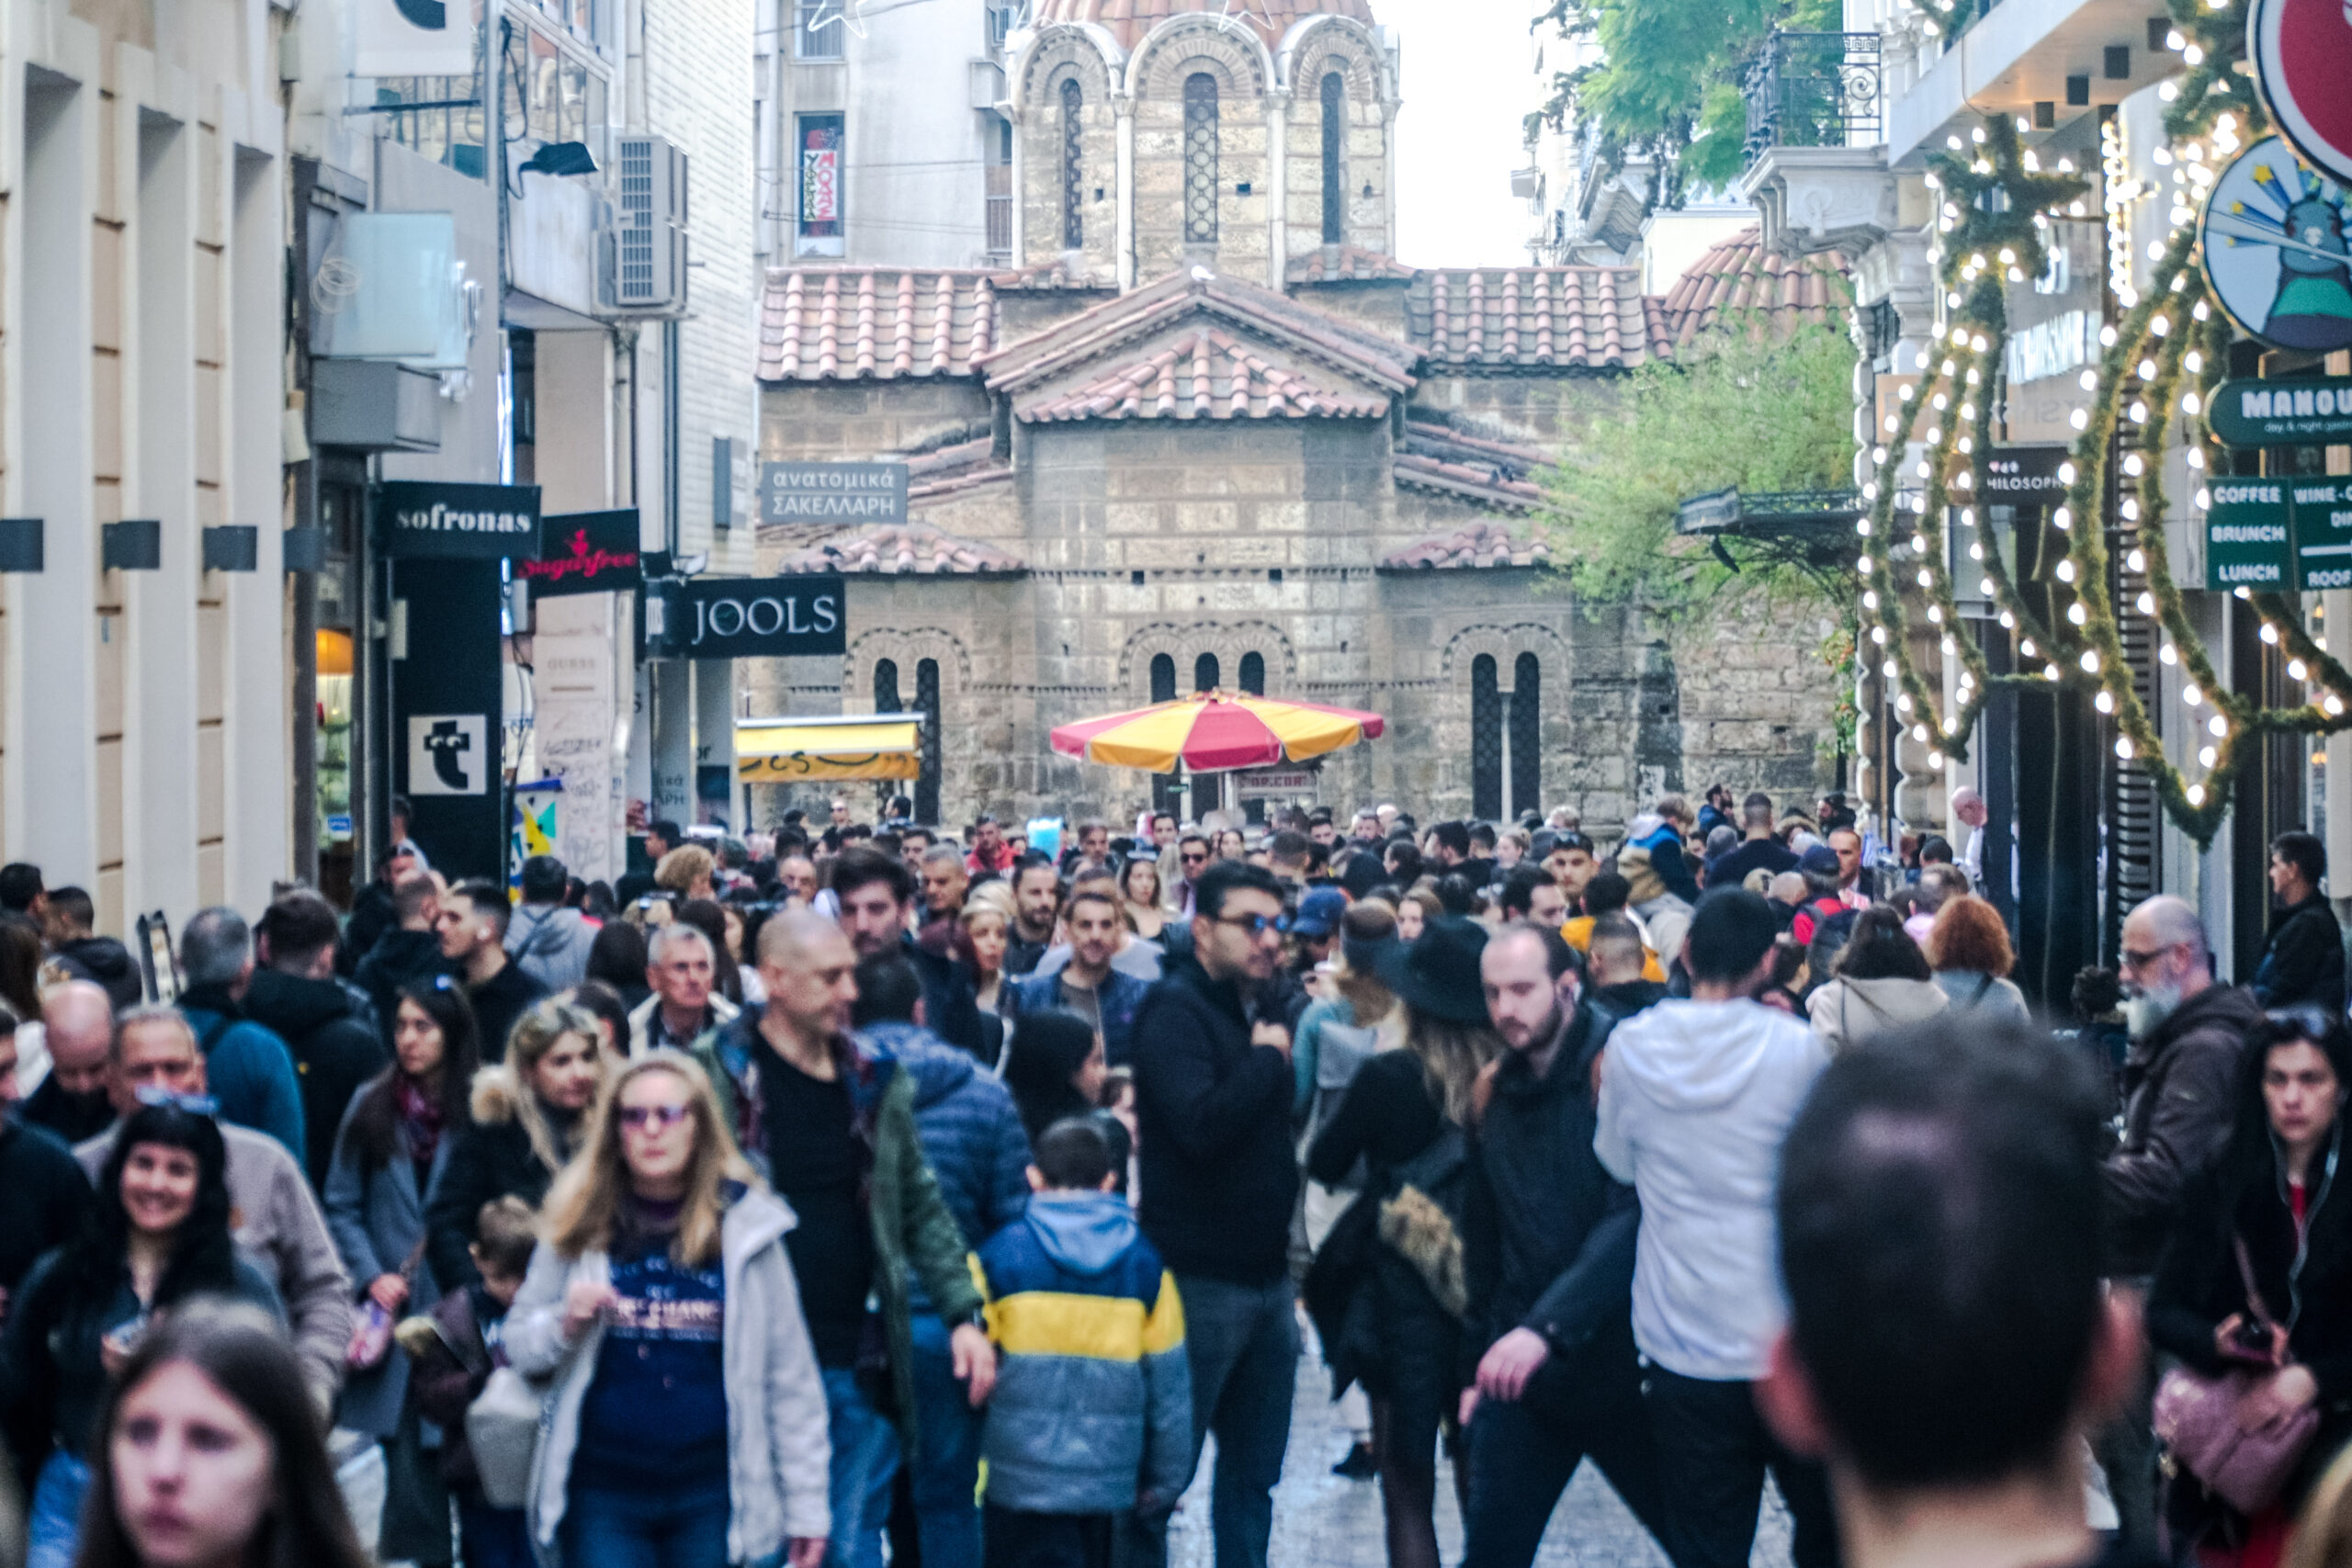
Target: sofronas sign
(418,520)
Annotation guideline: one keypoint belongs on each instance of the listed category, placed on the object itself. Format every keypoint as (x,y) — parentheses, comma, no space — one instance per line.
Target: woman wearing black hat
(1386,1291)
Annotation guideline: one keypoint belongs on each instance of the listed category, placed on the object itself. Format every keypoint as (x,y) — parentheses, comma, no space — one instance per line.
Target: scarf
(420,1118)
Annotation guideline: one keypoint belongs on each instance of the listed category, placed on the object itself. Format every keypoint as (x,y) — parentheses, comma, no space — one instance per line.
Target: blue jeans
(492,1537)
(53,1533)
(866,1456)
(1241,1344)
(673,1528)
(946,1474)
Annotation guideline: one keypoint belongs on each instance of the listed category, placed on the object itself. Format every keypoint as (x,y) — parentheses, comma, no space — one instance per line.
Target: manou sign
(456,522)
(833,493)
(747,617)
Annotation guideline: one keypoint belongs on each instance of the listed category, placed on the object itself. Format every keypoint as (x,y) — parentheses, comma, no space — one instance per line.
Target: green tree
(1745,408)
(1666,84)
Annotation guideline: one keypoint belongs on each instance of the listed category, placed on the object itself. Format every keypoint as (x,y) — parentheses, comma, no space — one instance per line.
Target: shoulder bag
(2197,1420)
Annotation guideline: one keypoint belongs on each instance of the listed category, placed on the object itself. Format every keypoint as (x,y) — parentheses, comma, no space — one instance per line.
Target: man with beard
(2179,1098)
(1548,1256)
(78,1026)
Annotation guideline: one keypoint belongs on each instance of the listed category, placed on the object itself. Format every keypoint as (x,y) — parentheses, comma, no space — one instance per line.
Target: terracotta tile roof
(953,485)
(1571,317)
(1129,20)
(951,471)
(1485,483)
(1433,440)
(828,323)
(1245,311)
(1478,544)
(1210,376)
(1345,263)
(911,547)
(1767,292)
(1052,276)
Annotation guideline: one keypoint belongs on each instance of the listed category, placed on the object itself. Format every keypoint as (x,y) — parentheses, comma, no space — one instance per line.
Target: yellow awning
(860,746)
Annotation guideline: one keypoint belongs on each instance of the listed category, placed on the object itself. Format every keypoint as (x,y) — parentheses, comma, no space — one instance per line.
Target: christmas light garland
(1994,204)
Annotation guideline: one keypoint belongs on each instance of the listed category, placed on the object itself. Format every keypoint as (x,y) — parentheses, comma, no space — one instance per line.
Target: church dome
(1129,20)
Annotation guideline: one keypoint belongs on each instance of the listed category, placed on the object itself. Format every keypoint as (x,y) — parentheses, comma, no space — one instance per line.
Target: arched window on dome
(1074,166)
(1485,739)
(1200,159)
(1335,173)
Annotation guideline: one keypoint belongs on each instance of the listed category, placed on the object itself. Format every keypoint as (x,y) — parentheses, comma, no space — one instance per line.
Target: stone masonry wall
(1242,160)
(1067,56)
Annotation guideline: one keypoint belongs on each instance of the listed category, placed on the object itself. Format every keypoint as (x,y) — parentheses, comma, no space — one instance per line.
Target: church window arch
(1253,674)
(927,705)
(1200,158)
(1206,671)
(1073,165)
(1526,737)
(885,686)
(1485,739)
(1167,794)
(1335,173)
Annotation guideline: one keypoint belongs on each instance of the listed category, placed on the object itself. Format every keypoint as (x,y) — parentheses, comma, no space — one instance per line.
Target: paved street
(1322,1521)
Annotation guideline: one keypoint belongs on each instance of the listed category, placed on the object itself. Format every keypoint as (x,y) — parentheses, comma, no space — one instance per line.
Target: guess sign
(584,552)
(778,617)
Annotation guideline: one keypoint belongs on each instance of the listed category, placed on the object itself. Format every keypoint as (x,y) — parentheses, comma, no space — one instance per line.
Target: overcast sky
(1467,83)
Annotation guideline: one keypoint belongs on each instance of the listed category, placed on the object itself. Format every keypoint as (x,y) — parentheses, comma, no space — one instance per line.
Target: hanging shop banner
(413,37)
(2024,476)
(2273,241)
(2245,535)
(747,617)
(2301,51)
(833,493)
(2282,413)
(452,522)
(2321,510)
(584,552)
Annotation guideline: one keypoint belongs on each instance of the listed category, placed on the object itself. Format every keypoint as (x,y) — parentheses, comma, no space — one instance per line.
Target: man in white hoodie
(1696,1097)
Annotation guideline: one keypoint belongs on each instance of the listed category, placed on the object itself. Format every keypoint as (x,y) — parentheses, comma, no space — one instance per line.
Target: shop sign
(584,552)
(833,493)
(2301,51)
(2282,413)
(2024,476)
(2245,535)
(416,520)
(2321,510)
(1274,783)
(449,753)
(747,617)
(2272,237)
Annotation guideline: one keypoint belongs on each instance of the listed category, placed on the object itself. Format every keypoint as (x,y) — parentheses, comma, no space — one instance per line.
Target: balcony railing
(1812,90)
(999,210)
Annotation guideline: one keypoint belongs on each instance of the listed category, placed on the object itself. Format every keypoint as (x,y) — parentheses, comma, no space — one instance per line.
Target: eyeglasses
(193,1105)
(1256,925)
(2142,960)
(653,1118)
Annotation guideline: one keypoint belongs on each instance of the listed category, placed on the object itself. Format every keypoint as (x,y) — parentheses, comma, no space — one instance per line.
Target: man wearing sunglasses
(1219,1178)
(1193,857)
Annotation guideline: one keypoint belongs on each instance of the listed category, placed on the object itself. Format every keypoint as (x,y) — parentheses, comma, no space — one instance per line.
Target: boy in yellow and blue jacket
(1093,1413)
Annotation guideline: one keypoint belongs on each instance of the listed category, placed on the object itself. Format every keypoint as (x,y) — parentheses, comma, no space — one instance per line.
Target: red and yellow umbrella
(1212,731)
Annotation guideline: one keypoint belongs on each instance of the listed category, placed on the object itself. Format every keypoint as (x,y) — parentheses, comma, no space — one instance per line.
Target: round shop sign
(2301,51)
(2274,235)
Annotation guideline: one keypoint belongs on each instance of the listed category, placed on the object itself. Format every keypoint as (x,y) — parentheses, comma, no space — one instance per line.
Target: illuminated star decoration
(853,17)
(1235,12)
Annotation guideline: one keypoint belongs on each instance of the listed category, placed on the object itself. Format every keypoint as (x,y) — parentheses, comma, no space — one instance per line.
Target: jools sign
(770,617)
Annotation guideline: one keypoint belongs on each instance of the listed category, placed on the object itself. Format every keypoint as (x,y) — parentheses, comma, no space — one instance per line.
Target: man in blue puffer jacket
(972,1136)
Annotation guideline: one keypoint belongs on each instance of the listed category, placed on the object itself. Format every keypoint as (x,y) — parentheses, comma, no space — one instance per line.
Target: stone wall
(1159,74)
(847,421)
(1363,163)
(1067,54)
(1542,411)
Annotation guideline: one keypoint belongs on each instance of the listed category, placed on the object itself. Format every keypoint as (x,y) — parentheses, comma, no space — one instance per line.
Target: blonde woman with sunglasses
(687,1425)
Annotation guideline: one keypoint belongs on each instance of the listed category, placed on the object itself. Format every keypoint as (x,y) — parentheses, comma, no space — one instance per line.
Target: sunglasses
(1256,925)
(192,1104)
(653,1118)
(1193,859)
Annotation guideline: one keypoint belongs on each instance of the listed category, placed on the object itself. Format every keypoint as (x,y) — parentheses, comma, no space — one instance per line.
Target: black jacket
(1218,1176)
(948,1009)
(398,960)
(497,1003)
(494,1156)
(371,918)
(105,963)
(72,1118)
(1548,1234)
(44,1196)
(331,1028)
(2303,959)
(2179,1100)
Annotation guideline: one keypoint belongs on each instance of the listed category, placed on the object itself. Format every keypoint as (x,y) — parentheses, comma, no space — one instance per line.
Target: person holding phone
(2273,1189)
(158,1235)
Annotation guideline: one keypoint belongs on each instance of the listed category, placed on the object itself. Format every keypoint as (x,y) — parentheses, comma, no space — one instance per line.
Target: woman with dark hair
(1968,947)
(157,1234)
(394,1140)
(1880,981)
(209,1454)
(706,917)
(20,953)
(1054,1069)
(603,1004)
(617,957)
(2272,1193)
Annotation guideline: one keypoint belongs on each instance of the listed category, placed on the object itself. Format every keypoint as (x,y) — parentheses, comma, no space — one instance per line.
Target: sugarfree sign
(778,617)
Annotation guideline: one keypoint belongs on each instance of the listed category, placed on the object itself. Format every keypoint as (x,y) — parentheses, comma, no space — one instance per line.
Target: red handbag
(2196,1419)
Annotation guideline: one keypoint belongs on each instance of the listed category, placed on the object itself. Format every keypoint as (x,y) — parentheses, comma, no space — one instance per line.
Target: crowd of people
(855,1193)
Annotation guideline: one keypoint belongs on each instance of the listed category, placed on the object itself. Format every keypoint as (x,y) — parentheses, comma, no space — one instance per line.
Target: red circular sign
(2301,51)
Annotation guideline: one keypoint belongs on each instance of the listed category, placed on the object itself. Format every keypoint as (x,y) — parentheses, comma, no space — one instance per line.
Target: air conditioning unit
(644,256)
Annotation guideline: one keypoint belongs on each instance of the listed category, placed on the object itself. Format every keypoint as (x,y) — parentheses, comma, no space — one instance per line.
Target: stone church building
(1207,432)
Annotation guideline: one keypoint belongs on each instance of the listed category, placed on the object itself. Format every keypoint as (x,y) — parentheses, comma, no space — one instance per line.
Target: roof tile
(1346,263)
(828,323)
(1210,374)
(1738,281)
(1535,317)
(1129,20)
(897,547)
(1474,545)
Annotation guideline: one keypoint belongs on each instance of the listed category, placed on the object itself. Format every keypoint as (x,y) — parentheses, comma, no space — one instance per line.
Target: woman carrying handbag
(2255,1297)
